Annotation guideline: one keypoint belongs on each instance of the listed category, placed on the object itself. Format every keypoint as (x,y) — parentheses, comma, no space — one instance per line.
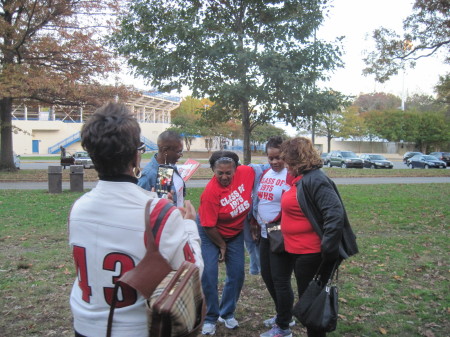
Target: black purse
(318,307)
(276,241)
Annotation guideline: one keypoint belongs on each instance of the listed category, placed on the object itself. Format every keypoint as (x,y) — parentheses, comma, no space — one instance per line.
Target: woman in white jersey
(276,268)
(107,225)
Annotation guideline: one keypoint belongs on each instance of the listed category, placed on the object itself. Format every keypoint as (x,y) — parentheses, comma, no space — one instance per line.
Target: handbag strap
(155,229)
(152,263)
(334,271)
(111,309)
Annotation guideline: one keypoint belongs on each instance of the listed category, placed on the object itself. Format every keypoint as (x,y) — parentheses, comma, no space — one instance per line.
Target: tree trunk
(313,129)
(6,153)
(329,144)
(246,129)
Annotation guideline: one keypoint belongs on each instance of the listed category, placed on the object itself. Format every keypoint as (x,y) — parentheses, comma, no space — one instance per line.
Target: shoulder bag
(174,299)
(318,307)
(276,240)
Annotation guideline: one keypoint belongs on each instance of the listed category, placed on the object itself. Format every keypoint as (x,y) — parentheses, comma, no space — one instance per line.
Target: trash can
(54,179)
(76,178)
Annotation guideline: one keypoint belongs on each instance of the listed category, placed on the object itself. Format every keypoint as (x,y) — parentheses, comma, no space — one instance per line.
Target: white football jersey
(106,233)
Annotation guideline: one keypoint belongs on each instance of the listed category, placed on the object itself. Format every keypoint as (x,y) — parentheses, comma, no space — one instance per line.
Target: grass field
(397,286)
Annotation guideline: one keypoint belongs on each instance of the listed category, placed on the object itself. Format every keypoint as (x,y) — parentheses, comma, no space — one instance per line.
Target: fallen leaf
(429,333)
(383,331)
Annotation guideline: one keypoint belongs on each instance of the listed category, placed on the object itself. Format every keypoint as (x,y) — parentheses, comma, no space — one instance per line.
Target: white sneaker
(208,329)
(271,322)
(277,332)
(230,323)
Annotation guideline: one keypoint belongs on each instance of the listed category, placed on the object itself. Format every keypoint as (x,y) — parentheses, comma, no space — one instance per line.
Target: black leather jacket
(321,203)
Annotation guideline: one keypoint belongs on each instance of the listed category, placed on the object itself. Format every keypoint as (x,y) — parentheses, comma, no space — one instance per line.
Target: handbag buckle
(274,228)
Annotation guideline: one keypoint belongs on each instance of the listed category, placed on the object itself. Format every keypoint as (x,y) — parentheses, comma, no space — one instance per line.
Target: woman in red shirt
(224,205)
(313,230)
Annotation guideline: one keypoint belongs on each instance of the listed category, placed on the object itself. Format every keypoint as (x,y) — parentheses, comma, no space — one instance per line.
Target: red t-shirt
(226,207)
(299,236)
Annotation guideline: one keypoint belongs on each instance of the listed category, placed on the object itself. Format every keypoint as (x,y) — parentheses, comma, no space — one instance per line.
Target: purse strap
(334,271)
(153,267)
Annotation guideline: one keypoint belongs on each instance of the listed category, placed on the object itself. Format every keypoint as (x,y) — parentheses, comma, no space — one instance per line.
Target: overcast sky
(356,20)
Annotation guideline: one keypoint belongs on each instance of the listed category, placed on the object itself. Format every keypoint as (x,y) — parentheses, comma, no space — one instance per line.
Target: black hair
(220,154)
(168,137)
(274,142)
(111,136)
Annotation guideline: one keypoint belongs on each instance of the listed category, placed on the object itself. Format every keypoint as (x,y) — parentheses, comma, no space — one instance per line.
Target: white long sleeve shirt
(106,233)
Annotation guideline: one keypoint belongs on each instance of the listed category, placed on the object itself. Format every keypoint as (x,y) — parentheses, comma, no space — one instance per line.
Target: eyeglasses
(141,148)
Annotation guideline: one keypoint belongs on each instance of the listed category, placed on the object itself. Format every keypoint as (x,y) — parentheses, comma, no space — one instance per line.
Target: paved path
(202,183)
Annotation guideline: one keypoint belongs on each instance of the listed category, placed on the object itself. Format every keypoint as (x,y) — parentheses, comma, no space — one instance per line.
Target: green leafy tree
(392,125)
(443,89)
(352,126)
(432,131)
(237,53)
(263,132)
(189,128)
(425,129)
(51,52)
(443,93)
(187,119)
(328,118)
(426,31)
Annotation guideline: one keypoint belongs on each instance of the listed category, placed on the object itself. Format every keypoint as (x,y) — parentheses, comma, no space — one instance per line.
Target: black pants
(305,267)
(276,271)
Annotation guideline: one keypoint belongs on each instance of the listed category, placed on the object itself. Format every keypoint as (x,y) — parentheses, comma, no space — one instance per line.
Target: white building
(42,130)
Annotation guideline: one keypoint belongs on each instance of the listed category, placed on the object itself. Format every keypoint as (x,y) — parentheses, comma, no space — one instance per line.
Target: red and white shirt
(106,233)
(271,187)
(226,207)
(298,233)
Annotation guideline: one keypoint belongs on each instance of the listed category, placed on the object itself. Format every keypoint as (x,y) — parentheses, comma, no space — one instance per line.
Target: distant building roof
(162,95)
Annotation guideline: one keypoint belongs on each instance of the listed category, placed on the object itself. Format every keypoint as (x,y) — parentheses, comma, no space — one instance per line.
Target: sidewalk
(202,183)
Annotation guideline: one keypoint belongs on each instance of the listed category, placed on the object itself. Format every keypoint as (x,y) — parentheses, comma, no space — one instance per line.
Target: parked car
(408,155)
(375,161)
(324,155)
(444,156)
(78,158)
(344,159)
(426,161)
(82,158)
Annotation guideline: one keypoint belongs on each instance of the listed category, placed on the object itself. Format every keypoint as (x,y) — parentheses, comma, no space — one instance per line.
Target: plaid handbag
(174,298)
(174,305)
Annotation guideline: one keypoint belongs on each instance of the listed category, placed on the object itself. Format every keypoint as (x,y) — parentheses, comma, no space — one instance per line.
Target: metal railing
(65,143)
(149,145)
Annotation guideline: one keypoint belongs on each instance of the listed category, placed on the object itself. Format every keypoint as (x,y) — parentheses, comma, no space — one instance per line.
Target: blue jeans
(252,249)
(235,274)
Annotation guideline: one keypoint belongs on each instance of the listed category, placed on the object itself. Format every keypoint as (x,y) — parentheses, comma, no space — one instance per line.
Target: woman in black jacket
(313,222)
